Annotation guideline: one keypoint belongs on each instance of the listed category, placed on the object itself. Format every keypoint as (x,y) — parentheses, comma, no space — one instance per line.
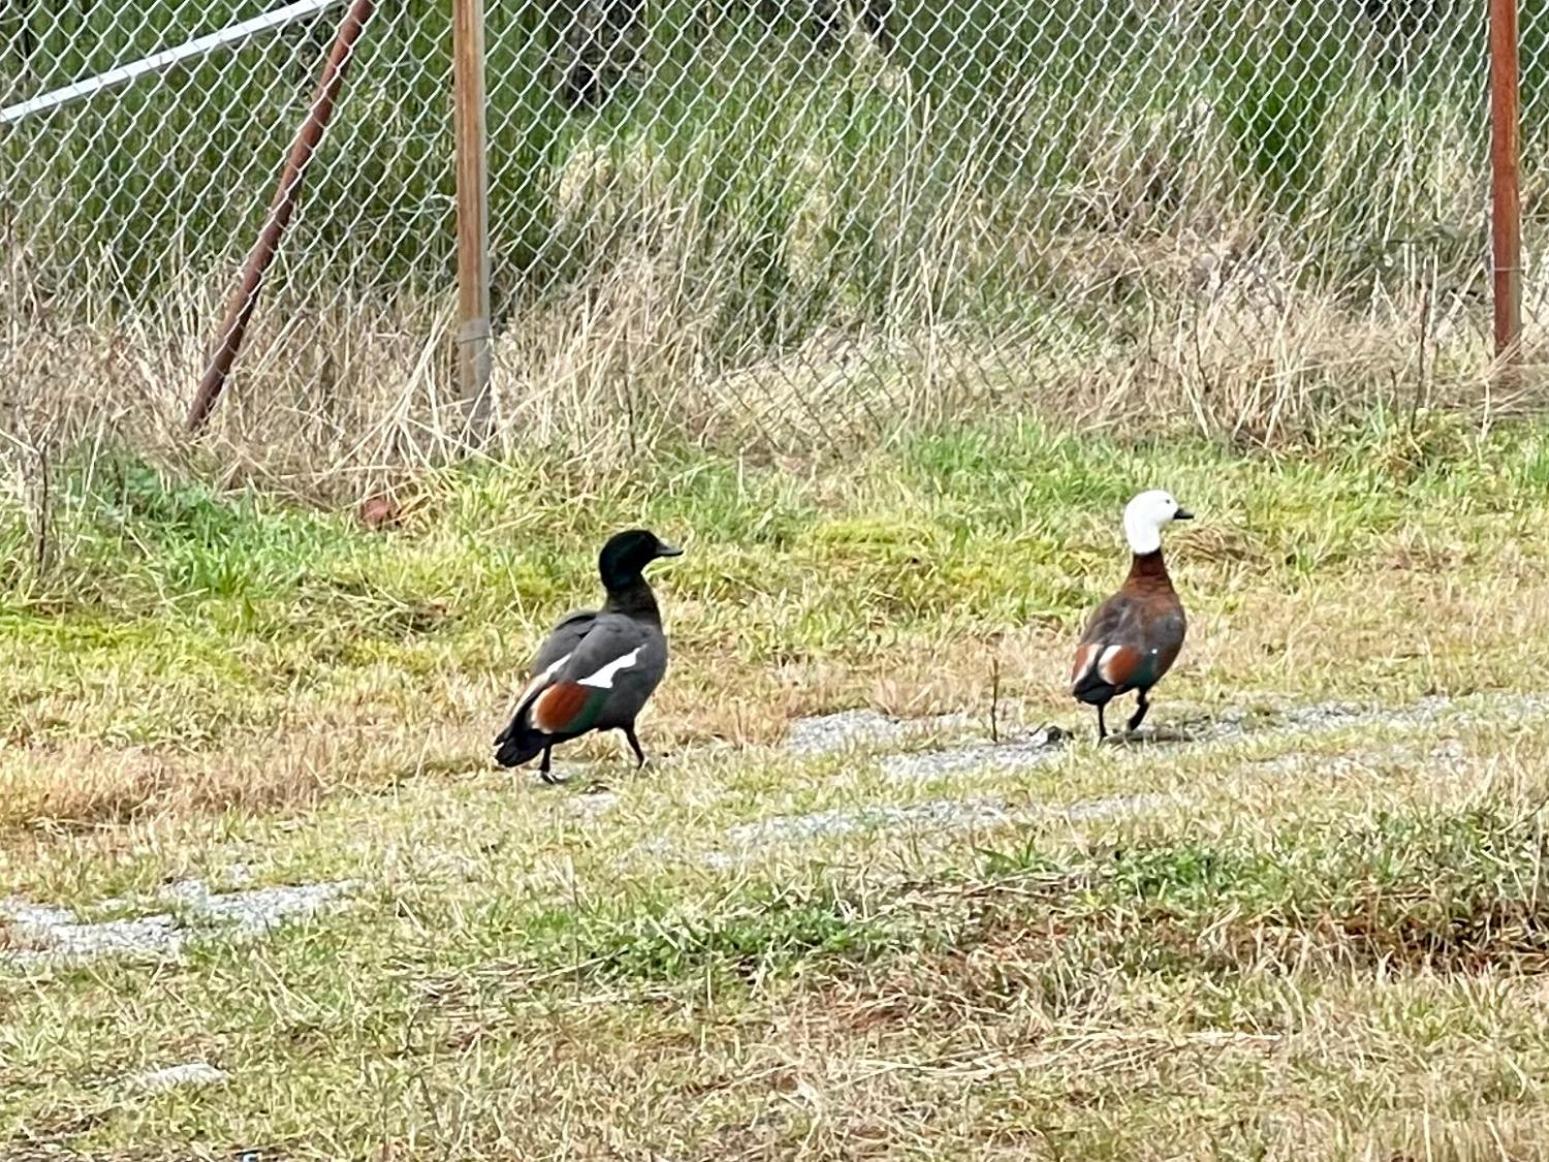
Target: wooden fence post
(1505,186)
(473,310)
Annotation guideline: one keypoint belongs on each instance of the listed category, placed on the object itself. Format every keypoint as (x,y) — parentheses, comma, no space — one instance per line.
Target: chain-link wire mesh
(799,221)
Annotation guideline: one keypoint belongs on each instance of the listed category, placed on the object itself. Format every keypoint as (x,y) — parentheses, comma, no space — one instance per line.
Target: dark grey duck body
(597,668)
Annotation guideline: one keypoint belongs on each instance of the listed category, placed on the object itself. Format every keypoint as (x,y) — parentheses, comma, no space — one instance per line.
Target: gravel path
(50,934)
(190,910)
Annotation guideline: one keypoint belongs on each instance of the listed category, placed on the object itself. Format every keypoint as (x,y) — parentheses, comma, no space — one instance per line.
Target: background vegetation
(761,230)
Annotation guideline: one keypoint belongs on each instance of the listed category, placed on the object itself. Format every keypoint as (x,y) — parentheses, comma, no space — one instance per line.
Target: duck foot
(547,776)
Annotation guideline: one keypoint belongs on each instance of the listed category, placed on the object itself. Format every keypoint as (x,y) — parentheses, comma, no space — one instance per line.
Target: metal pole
(468,120)
(1505,189)
(158,61)
(240,311)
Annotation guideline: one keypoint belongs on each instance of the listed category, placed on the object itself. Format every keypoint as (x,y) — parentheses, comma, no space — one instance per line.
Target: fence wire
(795,219)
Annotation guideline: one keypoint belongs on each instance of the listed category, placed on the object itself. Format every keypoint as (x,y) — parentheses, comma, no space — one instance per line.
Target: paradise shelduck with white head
(1134,637)
(597,668)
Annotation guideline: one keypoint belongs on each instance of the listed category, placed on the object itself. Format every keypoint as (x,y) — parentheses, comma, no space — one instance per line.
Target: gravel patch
(190,1075)
(836,732)
(1440,759)
(156,935)
(53,934)
(1233,723)
(259,910)
(849,729)
(932,815)
(26,915)
(1018,754)
(950,814)
(1324,717)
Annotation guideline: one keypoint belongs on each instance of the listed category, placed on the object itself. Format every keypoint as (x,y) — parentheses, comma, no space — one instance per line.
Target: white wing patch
(1104,663)
(541,680)
(1086,658)
(603,678)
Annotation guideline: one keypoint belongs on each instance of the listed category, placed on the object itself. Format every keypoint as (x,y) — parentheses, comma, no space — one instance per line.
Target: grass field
(1317,930)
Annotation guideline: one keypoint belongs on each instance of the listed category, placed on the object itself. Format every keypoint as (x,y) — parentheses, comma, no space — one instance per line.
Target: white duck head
(1144,517)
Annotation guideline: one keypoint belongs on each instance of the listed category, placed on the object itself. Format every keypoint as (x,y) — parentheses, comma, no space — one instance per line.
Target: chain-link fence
(799,220)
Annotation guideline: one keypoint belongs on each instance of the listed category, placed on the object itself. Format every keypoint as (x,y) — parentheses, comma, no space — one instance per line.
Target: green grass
(1314,943)
(965,527)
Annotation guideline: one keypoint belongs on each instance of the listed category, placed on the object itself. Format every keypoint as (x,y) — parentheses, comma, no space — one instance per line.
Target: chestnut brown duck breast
(1133,638)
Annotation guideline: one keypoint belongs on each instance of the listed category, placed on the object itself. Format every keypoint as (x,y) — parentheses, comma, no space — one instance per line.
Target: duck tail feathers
(519,743)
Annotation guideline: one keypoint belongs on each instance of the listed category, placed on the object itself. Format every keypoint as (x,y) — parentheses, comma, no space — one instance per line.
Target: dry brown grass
(1024,1015)
(1480,636)
(339,399)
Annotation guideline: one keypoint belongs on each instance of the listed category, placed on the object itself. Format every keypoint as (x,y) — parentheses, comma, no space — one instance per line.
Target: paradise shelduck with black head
(1134,637)
(597,668)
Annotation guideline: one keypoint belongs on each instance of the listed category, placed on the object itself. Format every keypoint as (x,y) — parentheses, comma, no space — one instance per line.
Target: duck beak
(663,549)
(1183,514)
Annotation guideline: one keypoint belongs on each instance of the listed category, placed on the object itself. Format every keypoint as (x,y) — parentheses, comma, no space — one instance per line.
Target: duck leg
(634,745)
(543,769)
(1102,727)
(1142,705)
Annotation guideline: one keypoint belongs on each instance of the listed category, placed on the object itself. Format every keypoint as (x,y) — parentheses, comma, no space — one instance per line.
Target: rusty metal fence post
(308,137)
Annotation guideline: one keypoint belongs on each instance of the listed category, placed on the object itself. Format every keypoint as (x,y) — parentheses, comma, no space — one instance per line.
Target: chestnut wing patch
(1120,665)
(1110,623)
(581,689)
(565,708)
